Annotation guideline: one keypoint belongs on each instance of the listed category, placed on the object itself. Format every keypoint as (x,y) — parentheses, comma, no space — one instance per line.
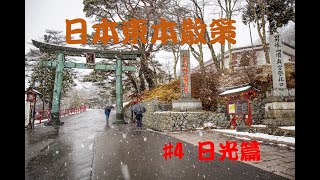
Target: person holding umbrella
(138,109)
(107,111)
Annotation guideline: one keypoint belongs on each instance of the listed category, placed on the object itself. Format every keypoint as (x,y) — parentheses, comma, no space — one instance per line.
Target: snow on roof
(125,103)
(235,90)
(34,90)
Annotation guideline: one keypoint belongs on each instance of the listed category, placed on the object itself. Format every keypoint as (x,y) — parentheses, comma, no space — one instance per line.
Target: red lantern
(135,98)
(31,94)
(31,97)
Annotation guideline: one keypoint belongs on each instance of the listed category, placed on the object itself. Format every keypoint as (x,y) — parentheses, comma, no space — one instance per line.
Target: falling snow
(200,133)
(124,135)
(125,171)
(90,146)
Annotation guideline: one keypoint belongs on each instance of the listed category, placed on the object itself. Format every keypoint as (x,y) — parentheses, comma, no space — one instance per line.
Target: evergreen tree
(276,12)
(46,75)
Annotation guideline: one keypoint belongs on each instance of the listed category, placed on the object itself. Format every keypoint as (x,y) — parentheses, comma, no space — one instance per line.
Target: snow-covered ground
(259,125)
(288,127)
(290,140)
(38,121)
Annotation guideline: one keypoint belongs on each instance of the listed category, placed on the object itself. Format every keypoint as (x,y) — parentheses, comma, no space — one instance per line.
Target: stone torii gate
(60,64)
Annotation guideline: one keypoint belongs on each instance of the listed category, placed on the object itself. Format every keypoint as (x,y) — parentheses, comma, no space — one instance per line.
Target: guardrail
(45,114)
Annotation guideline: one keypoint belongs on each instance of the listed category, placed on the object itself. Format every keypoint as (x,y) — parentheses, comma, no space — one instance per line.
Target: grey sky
(51,14)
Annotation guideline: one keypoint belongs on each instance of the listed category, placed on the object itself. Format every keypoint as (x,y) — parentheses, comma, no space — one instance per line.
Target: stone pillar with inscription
(186,102)
(280,105)
(278,69)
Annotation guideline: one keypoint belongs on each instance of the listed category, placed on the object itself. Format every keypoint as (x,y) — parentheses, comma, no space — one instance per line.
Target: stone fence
(159,118)
(286,93)
(280,107)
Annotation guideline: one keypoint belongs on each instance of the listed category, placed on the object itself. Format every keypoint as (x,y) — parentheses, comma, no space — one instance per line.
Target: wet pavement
(86,148)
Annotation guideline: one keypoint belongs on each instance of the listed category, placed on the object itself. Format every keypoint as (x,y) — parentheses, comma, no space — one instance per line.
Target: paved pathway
(85,147)
(275,159)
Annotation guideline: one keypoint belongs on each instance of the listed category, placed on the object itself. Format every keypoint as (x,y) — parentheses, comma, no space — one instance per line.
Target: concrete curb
(256,138)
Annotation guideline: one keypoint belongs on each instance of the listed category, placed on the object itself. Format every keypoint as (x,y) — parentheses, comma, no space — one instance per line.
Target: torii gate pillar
(119,113)
(55,110)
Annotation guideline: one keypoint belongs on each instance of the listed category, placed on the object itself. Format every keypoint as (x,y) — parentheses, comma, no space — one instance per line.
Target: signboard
(90,58)
(238,107)
(245,108)
(185,80)
(278,70)
(231,108)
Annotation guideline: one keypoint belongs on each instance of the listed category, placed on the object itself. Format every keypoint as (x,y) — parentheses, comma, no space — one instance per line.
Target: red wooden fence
(45,114)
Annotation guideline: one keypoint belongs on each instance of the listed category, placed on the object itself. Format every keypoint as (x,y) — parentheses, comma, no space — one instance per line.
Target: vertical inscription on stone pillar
(278,69)
(185,81)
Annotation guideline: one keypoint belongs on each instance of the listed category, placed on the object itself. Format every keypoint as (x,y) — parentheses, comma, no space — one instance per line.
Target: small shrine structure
(238,104)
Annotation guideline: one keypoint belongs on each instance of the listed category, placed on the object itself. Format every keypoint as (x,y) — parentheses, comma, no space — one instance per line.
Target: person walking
(139,119)
(107,111)
(138,109)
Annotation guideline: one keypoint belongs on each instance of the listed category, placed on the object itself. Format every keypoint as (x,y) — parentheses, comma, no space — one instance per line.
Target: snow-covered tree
(46,75)
(121,11)
(276,12)
(105,81)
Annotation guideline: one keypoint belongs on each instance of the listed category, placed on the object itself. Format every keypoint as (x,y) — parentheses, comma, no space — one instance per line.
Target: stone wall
(280,113)
(281,93)
(127,112)
(160,120)
(151,106)
(280,110)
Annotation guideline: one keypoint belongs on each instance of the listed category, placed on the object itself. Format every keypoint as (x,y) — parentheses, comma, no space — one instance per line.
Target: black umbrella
(109,107)
(138,108)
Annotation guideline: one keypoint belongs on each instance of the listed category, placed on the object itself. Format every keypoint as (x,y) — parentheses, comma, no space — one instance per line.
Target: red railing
(40,115)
